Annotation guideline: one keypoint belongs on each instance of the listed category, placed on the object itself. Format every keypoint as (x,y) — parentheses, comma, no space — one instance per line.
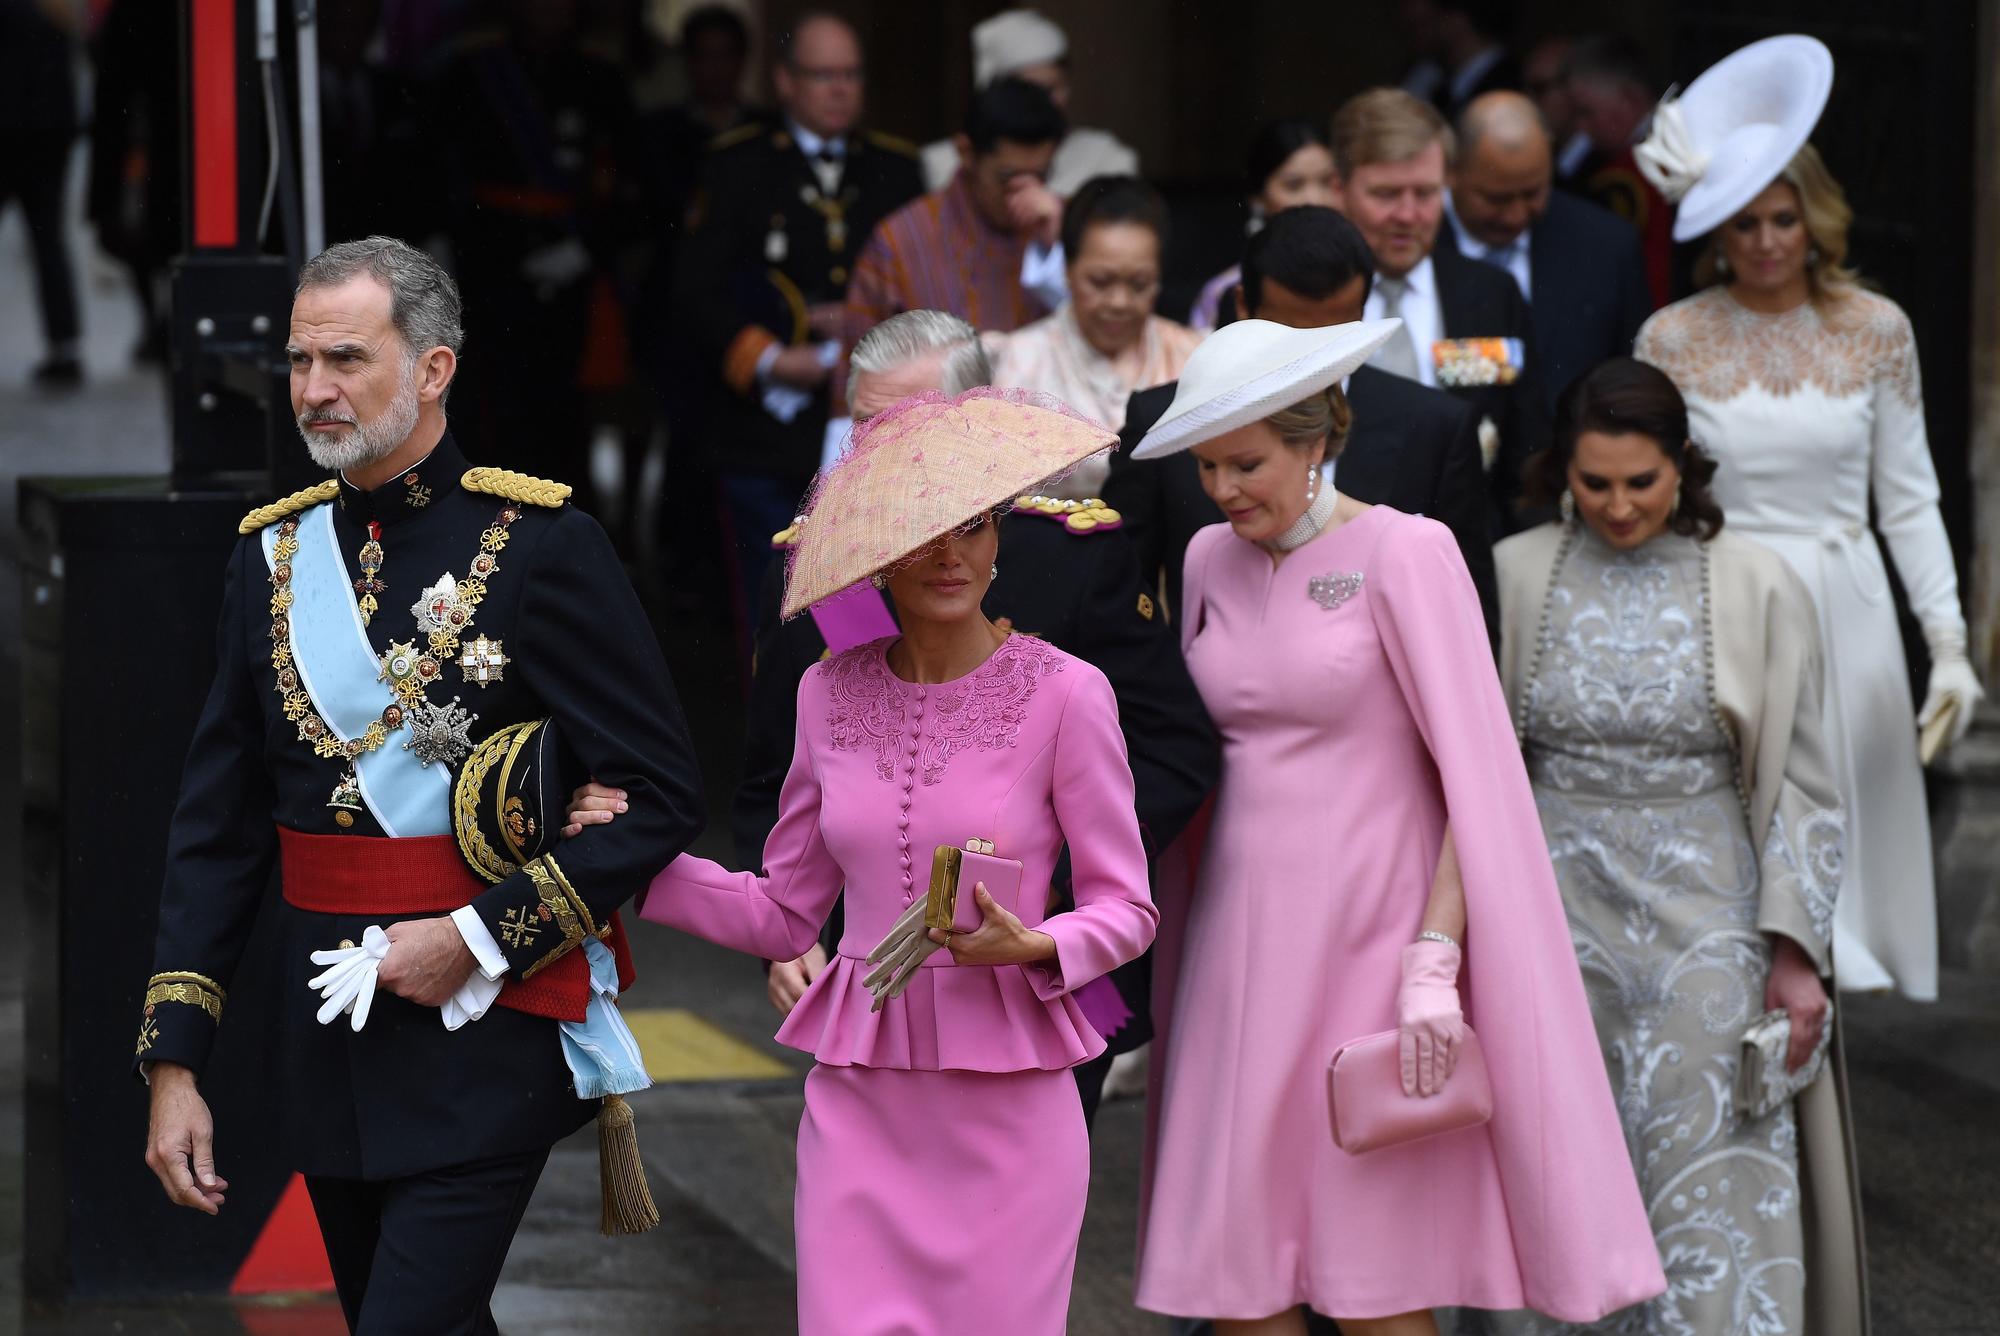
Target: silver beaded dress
(1635,779)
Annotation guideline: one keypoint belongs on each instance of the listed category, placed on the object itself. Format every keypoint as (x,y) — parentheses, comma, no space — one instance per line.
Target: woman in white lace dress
(1806,389)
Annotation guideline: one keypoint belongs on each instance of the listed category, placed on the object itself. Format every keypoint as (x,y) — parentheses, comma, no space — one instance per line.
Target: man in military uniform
(780,217)
(1067,575)
(376,629)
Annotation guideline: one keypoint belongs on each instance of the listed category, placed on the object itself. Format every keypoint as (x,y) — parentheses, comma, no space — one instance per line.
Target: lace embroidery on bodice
(1714,347)
(984,709)
(1620,701)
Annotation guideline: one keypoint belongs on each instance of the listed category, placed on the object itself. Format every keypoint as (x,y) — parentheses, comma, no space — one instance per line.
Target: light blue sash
(602,1052)
(340,672)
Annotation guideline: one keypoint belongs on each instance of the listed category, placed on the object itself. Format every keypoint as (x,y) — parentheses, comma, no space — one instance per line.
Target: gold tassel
(628,1202)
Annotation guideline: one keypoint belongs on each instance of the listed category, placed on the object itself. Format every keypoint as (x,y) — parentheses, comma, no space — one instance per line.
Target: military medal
(484,662)
(439,733)
(371,565)
(441,610)
(346,800)
(443,613)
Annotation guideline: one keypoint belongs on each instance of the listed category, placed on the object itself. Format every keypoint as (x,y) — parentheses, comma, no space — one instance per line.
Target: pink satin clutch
(1365,1099)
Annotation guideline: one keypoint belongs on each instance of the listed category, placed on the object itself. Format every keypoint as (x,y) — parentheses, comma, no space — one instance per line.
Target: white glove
(1952,680)
(349,985)
(898,956)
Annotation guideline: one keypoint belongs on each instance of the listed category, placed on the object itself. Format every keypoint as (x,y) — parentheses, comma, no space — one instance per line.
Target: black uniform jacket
(765,243)
(1482,301)
(405,1095)
(1410,447)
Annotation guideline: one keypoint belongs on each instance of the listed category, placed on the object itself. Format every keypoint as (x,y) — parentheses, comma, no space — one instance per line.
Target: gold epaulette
(892,143)
(512,486)
(304,499)
(1078,517)
(731,138)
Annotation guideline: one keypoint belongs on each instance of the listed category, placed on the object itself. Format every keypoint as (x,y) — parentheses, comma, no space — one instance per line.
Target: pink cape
(1539,1208)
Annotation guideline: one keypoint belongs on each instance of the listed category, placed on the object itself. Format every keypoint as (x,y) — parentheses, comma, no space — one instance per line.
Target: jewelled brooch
(1334,588)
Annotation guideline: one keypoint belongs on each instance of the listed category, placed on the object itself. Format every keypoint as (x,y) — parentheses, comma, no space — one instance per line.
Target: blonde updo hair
(1324,416)
(1823,205)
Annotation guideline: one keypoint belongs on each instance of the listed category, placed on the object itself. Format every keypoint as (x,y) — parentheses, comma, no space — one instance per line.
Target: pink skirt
(938,1202)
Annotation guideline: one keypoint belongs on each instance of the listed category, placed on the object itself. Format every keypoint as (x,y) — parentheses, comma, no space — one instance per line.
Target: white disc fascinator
(1714,148)
(1247,371)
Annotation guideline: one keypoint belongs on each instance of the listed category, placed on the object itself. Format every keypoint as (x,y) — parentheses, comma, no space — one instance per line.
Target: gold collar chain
(407,671)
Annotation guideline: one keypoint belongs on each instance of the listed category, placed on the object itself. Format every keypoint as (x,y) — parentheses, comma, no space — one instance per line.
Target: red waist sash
(373,877)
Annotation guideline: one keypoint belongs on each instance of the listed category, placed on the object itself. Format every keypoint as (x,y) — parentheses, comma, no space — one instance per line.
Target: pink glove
(1428,1013)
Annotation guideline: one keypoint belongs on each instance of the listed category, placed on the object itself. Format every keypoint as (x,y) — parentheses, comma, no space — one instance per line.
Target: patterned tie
(1399,355)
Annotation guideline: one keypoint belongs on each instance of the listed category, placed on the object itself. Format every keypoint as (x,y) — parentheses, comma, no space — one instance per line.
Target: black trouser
(33,168)
(419,1256)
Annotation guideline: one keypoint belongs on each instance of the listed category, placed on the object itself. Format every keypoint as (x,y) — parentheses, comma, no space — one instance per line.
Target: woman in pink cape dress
(1346,664)
(943,1162)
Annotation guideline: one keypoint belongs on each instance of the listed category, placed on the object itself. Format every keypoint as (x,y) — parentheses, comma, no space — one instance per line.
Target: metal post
(305,14)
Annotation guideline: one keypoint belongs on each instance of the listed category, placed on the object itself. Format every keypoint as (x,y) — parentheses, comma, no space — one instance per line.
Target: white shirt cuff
(1042,274)
(484,949)
(765,359)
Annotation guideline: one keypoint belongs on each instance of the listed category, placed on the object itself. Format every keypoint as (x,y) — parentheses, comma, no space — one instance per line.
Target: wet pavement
(719,1151)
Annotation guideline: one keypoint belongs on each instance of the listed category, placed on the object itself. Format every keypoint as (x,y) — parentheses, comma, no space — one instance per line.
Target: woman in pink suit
(942,1158)
(1374,863)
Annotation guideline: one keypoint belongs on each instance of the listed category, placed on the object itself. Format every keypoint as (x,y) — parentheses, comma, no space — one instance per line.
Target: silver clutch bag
(1762,1083)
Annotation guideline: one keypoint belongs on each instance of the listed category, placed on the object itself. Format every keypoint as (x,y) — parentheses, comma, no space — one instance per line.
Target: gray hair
(909,335)
(423,299)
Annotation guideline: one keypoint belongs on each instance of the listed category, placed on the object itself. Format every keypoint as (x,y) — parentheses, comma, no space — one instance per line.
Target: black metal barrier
(122,585)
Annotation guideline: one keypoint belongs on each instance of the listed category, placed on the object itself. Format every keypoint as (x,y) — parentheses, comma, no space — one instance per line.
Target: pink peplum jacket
(1024,751)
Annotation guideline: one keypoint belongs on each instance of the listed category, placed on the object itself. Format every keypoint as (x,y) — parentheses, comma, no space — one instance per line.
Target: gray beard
(365,442)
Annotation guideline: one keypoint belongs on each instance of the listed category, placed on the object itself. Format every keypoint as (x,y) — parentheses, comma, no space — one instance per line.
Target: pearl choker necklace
(1308,525)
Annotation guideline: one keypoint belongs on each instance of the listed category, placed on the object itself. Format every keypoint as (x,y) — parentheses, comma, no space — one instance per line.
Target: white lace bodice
(1808,414)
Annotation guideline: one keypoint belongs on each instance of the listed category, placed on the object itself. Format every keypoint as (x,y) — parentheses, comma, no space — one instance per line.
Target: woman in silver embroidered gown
(1665,682)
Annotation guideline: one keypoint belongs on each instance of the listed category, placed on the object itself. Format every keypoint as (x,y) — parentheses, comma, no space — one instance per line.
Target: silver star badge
(1334,588)
(439,732)
(440,608)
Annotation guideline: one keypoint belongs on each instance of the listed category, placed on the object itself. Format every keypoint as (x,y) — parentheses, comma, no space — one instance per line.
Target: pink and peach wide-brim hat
(925,469)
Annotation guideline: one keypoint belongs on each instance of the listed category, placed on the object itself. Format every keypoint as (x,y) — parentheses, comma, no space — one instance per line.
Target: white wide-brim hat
(1012,40)
(1246,371)
(1735,129)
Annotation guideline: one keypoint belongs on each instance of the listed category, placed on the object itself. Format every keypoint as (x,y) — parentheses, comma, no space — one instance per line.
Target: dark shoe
(58,373)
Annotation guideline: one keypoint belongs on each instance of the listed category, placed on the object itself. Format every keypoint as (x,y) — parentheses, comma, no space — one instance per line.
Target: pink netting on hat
(928,467)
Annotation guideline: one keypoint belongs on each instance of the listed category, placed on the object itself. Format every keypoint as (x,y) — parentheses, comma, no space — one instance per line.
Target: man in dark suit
(1412,448)
(1579,266)
(1466,327)
(781,215)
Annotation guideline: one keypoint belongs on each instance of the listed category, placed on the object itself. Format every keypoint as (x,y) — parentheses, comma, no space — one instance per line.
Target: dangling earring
(1812,257)
(1721,265)
(1567,505)
(994,574)
(1674,510)
(1312,484)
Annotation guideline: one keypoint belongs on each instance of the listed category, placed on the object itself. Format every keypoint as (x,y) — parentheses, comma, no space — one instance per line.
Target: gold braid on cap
(304,499)
(522,487)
